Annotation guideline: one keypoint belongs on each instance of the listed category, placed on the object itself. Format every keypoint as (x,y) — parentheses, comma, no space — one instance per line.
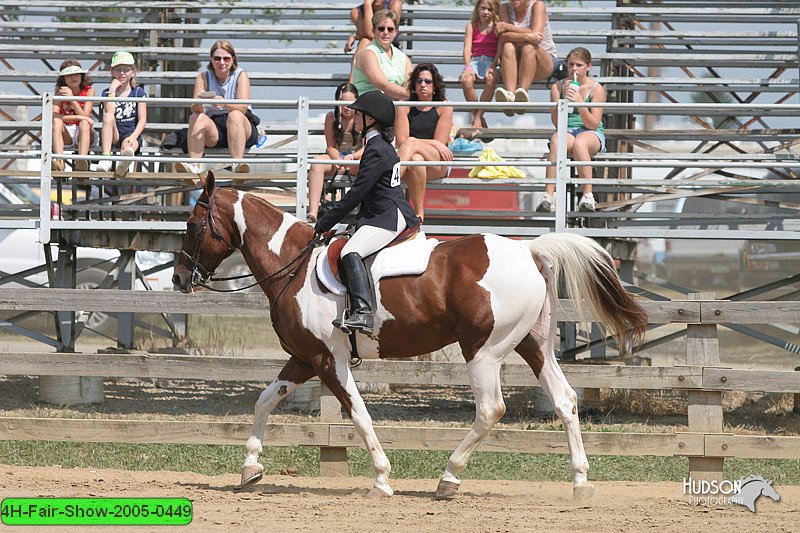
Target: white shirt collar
(371,134)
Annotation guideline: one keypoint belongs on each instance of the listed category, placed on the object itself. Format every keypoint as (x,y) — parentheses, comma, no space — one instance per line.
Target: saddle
(334,249)
(408,254)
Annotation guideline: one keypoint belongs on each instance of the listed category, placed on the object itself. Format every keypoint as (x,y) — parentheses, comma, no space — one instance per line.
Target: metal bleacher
(724,74)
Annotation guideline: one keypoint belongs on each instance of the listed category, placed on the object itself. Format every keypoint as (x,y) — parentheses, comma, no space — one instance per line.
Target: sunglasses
(226,59)
(121,70)
(425,81)
(390,29)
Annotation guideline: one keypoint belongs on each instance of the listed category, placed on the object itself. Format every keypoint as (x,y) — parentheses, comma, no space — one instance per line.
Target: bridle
(200,275)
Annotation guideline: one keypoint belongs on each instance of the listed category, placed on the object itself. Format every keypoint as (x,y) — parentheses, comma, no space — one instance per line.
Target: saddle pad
(408,257)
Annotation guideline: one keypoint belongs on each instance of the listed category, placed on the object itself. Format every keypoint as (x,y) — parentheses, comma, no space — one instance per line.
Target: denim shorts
(480,65)
(602,136)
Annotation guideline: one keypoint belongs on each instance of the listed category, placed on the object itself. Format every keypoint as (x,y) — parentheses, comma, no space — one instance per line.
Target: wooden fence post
(796,407)
(332,459)
(705,407)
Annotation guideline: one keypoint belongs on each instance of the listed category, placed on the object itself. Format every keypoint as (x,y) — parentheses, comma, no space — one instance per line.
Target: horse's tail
(588,272)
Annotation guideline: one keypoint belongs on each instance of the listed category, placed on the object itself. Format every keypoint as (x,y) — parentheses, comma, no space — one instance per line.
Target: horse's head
(209,239)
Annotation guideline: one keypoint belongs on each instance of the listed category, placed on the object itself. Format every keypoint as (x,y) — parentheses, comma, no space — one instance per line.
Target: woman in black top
(383,210)
(423,131)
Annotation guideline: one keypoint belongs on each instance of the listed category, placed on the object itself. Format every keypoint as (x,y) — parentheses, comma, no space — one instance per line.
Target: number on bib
(396,175)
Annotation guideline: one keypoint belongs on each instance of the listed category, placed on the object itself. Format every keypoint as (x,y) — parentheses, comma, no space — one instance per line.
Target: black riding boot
(354,275)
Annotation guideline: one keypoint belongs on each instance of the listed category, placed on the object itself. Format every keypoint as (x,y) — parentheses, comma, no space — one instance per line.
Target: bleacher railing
(303,159)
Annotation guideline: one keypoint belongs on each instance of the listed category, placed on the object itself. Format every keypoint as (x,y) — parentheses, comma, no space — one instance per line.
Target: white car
(21,251)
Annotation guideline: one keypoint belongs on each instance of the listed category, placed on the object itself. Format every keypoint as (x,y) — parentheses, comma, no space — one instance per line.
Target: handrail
(302,158)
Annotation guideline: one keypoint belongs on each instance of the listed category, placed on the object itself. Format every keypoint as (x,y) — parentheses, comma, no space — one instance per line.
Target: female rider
(383,210)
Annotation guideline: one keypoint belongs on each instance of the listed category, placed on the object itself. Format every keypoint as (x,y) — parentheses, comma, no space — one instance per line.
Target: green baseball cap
(122,58)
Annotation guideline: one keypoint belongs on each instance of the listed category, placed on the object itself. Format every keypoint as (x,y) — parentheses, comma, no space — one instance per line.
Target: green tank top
(574,119)
(394,69)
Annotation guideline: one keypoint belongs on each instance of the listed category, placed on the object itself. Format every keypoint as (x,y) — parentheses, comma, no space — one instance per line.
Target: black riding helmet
(377,105)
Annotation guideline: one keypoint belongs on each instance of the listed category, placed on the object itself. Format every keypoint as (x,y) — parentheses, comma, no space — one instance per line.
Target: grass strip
(410,464)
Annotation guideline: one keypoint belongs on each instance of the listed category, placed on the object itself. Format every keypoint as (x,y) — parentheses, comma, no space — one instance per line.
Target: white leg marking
(554,383)
(565,403)
(484,380)
(269,398)
(363,424)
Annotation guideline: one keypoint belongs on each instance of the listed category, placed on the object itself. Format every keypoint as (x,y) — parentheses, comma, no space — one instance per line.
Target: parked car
(729,264)
(21,252)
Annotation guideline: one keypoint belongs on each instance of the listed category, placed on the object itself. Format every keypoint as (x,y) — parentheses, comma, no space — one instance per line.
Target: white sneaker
(124,166)
(104,165)
(546,205)
(521,96)
(504,95)
(188,168)
(587,202)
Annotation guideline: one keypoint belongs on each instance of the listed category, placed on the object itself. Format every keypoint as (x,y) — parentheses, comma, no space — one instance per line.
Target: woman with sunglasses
(381,66)
(221,125)
(361,15)
(423,131)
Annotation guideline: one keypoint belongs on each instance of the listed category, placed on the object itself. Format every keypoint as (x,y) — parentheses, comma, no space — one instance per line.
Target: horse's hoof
(581,493)
(252,474)
(376,493)
(446,490)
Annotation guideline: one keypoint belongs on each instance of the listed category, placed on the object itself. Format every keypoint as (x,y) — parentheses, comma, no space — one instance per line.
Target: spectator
(361,16)
(343,140)
(480,55)
(72,120)
(231,126)
(585,134)
(123,122)
(381,66)
(527,50)
(423,132)
(383,210)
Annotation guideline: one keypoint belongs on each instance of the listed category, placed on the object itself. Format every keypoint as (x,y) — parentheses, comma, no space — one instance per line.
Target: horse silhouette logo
(752,487)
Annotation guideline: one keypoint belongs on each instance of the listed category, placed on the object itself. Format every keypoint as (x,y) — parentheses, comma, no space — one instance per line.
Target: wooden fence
(704,443)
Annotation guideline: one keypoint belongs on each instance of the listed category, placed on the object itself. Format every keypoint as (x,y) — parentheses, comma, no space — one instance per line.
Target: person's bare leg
(84,137)
(239,130)
(468,85)
(316,180)
(202,133)
(486,96)
(527,65)
(544,64)
(109,127)
(585,147)
(508,65)
(60,136)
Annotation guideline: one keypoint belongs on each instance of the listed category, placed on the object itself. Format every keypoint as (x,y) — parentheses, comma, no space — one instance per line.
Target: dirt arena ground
(284,503)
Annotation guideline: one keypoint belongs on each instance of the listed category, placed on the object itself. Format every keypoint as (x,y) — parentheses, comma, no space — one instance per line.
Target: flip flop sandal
(483,137)
(469,133)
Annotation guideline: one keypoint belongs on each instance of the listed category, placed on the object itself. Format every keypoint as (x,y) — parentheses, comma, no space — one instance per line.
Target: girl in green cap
(123,122)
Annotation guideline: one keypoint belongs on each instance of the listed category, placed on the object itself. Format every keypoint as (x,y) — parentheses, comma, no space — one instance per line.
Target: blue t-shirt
(127,113)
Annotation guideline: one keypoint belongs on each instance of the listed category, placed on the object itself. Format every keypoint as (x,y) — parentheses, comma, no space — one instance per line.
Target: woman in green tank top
(585,133)
(382,66)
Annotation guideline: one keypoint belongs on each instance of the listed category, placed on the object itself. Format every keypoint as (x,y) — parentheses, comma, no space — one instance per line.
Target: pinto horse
(489,294)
